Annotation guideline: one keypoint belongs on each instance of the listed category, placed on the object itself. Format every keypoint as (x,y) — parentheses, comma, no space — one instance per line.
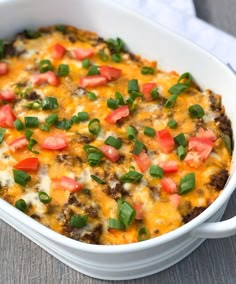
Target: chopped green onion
(172,124)
(133,85)
(21,177)
(181,152)
(196,111)
(131,103)
(171,101)
(28,134)
(94,158)
(64,124)
(116,57)
(143,234)
(85,63)
(149,131)
(146,70)
(83,116)
(63,70)
(86,191)
(19,125)
(31,144)
(131,133)
(177,89)
(120,98)
(134,95)
(79,221)
(138,147)
(31,121)
(228,144)
(91,149)
(49,103)
(98,180)
(187,183)
(116,45)
(102,55)
(51,119)
(92,96)
(60,28)
(131,177)
(126,212)
(116,224)
(187,76)
(2,134)
(93,70)
(21,205)
(154,93)
(114,142)
(45,65)
(112,104)
(180,139)
(75,119)
(34,105)
(33,34)
(44,127)
(156,171)
(1,49)
(44,197)
(94,126)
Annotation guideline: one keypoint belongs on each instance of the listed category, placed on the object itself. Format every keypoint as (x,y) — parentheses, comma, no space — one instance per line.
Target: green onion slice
(120,98)
(180,139)
(114,142)
(154,93)
(143,234)
(138,147)
(79,221)
(51,119)
(115,45)
(149,131)
(156,171)
(196,111)
(126,212)
(19,124)
(44,197)
(85,63)
(44,127)
(133,85)
(94,126)
(64,124)
(112,104)
(146,70)
(98,180)
(34,105)
(228,144)
(172,124)
(31,144)
(131,133)
(93,70)
(83,116)
(21,177)
(181,152)
(102,55)
(94,158)
(63,70)
(92,96)
(75,119)
(31,121)
(171,101)
(2,134)
(187,183)
(28,134)
(116,57)
(184,76)
(131,177)
(49,103)
(45,65)
(33,34)
(116,224)
(21,205)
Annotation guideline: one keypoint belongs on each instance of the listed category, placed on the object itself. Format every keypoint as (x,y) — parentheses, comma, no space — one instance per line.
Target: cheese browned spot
(160,203)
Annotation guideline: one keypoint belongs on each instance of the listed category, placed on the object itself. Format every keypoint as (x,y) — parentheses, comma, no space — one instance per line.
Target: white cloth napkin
(179,16)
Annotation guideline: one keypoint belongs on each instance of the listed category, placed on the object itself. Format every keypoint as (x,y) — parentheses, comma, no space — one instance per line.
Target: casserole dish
(140,259)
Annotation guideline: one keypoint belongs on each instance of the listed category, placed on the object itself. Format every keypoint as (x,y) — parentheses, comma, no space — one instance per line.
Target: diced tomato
(168,185)
(58,51)
(193,159)
(3,68)
(110,73)
(143,161)
(201,145)
(110,152)
(139,211)
(28,164)
(93,81)
(117,114)
(7,95)
(54,143)
(175,199)
(169,166)
(146,90)
(70,184)
(82,53)
(165,140)
(47,77)
(7,116)
(208,134)
(18,143)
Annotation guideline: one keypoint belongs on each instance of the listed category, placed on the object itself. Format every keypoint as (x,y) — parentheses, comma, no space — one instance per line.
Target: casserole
(152,255)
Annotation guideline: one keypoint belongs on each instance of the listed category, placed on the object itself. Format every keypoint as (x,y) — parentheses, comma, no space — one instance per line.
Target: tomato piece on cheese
(70,184)
(110,152)
(3,68)
(165,140)
(203,146)
(143,161)
(7,116)
(208,134)
(169,166)
(47,77)
(82,53)
(117,114)
(28,164)
(93,81)
(139,210)
(193,159)
(168,185)
(175,199)
(54,143)
(18,144)
(110,73)
(58,51)
(146,90)
(7,95)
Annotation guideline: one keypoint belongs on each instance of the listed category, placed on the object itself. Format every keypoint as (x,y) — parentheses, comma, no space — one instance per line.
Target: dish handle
(216,230)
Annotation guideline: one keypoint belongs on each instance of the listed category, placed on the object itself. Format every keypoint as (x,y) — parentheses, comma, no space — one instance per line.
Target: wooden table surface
(23,262)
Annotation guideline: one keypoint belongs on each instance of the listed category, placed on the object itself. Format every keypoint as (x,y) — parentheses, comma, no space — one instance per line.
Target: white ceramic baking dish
(172,52)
